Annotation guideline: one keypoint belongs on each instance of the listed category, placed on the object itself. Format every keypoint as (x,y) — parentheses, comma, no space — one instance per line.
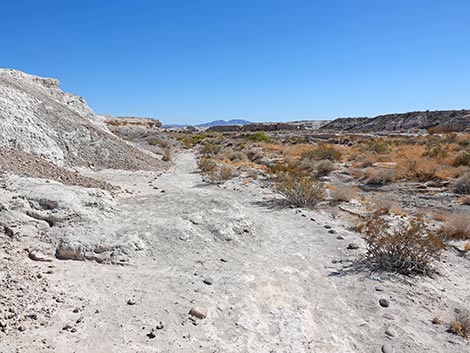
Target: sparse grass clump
(409,248)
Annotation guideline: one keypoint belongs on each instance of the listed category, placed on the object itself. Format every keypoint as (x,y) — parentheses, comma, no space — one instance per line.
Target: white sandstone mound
(37,117)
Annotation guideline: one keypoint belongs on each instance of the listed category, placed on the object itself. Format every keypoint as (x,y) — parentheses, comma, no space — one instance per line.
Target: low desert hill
(37,117)
(439,120)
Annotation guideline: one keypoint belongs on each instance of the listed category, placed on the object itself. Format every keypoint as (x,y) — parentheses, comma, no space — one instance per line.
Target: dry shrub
(323,168)
(156,141)
(236,156)
(220,174)
(323,151)
(436,151)
(343,193)
(465,200)
(424,169)
(210,149)
(206,165)
(462,185)
(461,324)
(462,159)
(381,176)
(381,205)
(254,156)
(301,191)
(467,246)
(457,226)
(378,146)
(166,155)
(409,248)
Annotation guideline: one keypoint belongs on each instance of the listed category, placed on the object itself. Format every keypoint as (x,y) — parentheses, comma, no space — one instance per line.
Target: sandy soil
(273,278)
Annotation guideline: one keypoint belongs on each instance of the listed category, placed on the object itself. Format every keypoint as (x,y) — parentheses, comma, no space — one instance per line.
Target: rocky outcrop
(257,127)
(37,117)
(131,121)
(439,121)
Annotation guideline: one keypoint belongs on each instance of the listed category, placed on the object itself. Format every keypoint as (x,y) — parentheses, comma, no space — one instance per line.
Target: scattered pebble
(199,311)
(379,288)
(152,333)
(384,303)
(327,227)
(332,231)
(353,246)
(390,332)
(37,256)
(340,237)
(208,281)
(131,302)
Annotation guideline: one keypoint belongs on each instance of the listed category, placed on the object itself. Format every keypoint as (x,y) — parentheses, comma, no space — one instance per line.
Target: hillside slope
(441,120)
(37,117)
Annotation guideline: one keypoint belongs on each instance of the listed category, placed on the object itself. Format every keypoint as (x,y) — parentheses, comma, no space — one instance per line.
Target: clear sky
(190,61)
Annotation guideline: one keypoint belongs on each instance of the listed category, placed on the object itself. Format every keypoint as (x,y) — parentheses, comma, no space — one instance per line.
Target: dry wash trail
(270,276)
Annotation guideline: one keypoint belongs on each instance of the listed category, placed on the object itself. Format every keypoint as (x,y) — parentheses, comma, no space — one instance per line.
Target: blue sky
(199,60)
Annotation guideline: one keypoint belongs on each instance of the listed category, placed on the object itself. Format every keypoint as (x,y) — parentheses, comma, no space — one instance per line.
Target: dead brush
(461,324)
(206,165)
(299,190)
(343,193)
(409,248)
(218,174)
(166,155)
(322,151)
(381,176)
(462,185)
(457,226)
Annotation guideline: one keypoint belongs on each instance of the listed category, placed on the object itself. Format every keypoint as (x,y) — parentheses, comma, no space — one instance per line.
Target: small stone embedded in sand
(390,332)
(388,316)
(384,303)
(353,246)
(332,231)
(199,311)
(208,281)
(327,227)
(386,348)
(37,256)
(131,302)
(340,237)
(379,288)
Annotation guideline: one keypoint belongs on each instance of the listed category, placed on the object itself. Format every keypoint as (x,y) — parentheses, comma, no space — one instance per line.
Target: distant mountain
(224,122)
(212,123)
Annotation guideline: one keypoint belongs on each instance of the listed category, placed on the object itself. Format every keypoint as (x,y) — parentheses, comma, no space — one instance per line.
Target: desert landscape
(120,235)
